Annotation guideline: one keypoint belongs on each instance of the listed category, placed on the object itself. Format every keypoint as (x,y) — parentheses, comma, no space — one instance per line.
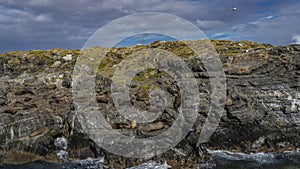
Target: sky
(68,24)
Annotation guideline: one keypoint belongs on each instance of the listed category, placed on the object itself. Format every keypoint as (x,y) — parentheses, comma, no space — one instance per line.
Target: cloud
(251,24)
(132,25)
(220,34)
(296,39)
(42,18)
(120,8)
(267,18)
(209,24)
(143,39)
(272,29)
(43,24)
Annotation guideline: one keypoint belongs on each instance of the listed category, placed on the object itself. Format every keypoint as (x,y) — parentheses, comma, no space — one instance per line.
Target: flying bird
(234,8)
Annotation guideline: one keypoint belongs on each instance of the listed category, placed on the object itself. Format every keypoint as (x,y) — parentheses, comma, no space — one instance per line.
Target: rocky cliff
(262,111)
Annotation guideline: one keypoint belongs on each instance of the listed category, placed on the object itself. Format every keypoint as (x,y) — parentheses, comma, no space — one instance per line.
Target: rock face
(262,109)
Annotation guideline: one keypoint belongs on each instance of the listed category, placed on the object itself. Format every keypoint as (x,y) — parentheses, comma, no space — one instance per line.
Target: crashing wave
(253,160)
(151,165)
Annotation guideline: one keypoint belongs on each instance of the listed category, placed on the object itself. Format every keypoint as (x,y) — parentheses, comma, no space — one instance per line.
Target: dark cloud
(44,24)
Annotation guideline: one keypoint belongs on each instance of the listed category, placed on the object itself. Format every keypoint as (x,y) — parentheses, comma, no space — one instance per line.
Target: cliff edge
(262,107)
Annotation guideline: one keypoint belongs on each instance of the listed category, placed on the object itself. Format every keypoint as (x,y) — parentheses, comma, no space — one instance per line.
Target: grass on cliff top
(34,61)
(44,59)
(227,49)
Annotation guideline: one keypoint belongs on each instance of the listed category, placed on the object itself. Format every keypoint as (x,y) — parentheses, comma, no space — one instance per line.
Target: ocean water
(219,160)
(229,160)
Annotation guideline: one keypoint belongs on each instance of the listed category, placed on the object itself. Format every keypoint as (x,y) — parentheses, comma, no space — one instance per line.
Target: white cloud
(172,26)
(42,18)
(219,34)
(65,22)
(252,24)
(18,16)
(267,18)
(209,24)
(296,39)
(39,2)
(224,35)
(120,8)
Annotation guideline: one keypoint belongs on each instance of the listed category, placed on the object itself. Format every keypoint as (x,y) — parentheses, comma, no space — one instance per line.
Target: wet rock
(258,143)
(61,143)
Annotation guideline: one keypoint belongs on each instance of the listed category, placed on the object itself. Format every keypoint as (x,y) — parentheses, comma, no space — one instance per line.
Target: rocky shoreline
(262,111)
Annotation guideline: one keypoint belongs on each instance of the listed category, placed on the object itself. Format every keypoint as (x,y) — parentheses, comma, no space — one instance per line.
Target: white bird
(234,8)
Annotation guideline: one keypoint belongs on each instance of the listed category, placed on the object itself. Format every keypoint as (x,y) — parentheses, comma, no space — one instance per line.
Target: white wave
(261,158)
(152,165)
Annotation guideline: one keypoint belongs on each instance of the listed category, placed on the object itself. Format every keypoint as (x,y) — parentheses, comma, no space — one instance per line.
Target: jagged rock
(262,111)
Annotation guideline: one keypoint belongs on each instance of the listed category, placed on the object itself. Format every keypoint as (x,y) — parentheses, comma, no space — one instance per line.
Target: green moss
(4,136)
(106,67)
(150,86)
(146,87)
(52,79)
(36,52)
(235,51)
(14,61)
(72,52)
(13,54)
(149,74)
(106,63)
(16,143)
